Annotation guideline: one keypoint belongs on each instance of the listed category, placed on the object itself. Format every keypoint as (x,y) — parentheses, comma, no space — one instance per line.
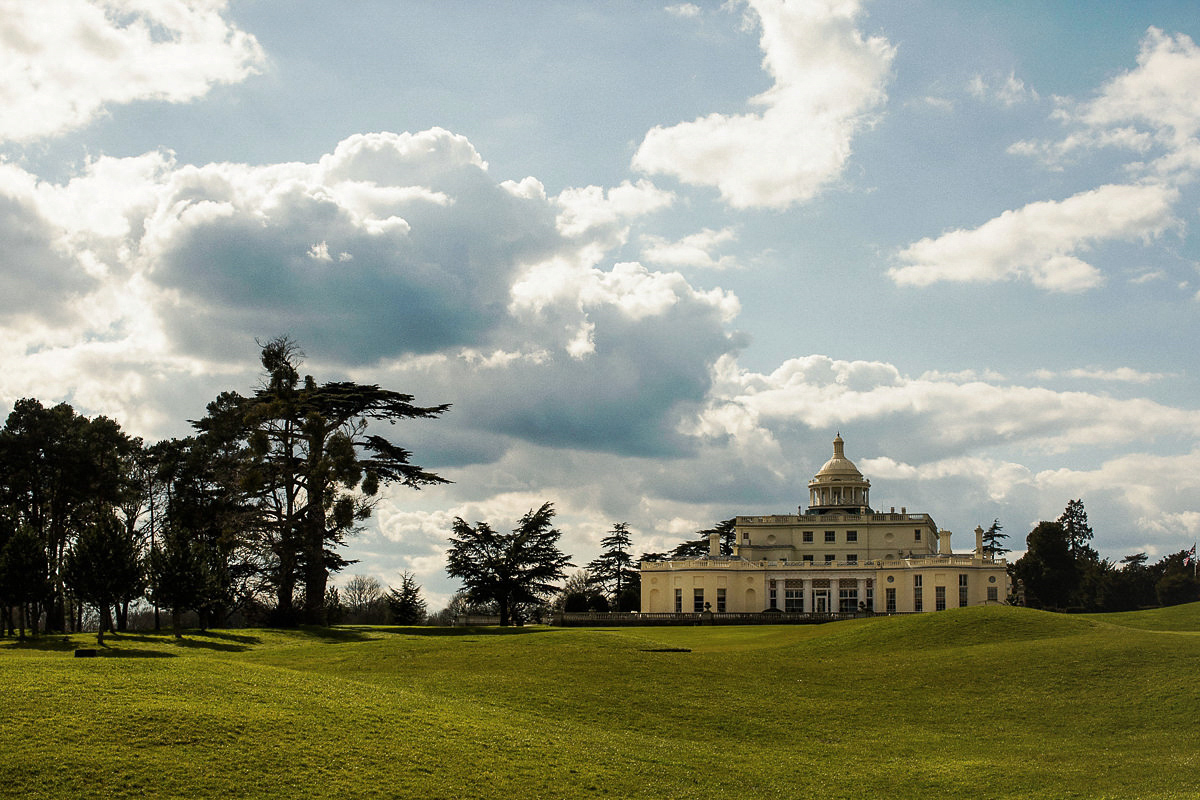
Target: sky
(655,255)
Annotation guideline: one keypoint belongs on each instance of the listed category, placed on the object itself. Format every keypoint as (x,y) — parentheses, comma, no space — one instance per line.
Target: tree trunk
(176,623)
(285,589)
(315,576)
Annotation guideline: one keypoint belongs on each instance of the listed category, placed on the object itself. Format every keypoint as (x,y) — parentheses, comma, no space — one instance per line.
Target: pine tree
(103,567)
(699,547)
(513,570)
(613,571)
(993,540)
(405,602)
(1075,523)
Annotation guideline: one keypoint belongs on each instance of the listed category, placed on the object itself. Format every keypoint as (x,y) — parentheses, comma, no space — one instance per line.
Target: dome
(839,466)
(839,486)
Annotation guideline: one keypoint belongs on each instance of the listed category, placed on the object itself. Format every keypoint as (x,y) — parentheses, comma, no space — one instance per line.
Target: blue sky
(656,255)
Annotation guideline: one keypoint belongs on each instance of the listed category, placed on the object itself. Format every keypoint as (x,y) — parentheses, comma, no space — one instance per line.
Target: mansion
(839,556)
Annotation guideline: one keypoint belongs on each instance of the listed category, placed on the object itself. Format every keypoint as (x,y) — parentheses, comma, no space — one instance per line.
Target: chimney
(979,542)
(714,545)
(944,543)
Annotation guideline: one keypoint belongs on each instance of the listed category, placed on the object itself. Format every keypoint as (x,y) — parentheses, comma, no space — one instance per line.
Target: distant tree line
(245,516)
(1061,571)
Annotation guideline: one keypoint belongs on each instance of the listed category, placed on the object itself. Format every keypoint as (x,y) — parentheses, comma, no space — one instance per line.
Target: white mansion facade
(839,556)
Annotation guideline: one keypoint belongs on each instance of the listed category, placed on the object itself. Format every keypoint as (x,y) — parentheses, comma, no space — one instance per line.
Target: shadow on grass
(115,652)
(483,630)
(49,643)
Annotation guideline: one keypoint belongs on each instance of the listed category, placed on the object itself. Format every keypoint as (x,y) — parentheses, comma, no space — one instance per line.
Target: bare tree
(363,599)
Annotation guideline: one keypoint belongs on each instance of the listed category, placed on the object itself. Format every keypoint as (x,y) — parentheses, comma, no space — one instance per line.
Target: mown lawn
(983,702)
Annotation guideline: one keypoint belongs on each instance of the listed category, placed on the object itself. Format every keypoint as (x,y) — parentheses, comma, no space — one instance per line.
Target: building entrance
(821,601)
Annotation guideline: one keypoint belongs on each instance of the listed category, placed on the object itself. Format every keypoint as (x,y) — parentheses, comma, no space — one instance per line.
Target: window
(679,601)
(721,601)
(851,536)
(890,595)
(807,559)
(697,599)
(918,600)
(848,600)
(830,558)
(939,598)
(993,594)
(774,603)
(917,535)
(830,536)
(962,591)
(806,537)
(793,600)
(852,558)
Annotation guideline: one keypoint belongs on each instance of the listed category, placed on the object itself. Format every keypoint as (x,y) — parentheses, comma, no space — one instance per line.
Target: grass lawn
(981,702)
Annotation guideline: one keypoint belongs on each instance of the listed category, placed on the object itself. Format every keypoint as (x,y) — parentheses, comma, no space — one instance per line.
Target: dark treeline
(1061,571)
(244,517)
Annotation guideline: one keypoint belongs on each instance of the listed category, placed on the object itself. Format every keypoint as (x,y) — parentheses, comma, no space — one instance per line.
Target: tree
(1178,583)
(61,472)
(613,570)
(205,508)
(178,576)
(405,603)
(103,567)
(514,570)
(1075,524)
(1047,570)
(314,469)
(363,599)
(24,576)
(699,547)
(993,540)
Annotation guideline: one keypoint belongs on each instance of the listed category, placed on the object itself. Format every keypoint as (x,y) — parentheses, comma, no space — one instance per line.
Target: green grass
(982,702)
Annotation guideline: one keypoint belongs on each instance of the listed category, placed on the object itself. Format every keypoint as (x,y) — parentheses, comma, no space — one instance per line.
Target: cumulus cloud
(937,415)
(1008,91)
(394,249)
(392,244)
(828,79)
(593,211)
(1150,110)
(62,62)
(683,10)
(1041,242)
(694,250)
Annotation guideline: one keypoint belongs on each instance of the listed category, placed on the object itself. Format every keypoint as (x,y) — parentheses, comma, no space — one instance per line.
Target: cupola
(839,486)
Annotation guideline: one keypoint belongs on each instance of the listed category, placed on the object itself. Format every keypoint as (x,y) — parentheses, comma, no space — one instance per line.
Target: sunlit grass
(986,702)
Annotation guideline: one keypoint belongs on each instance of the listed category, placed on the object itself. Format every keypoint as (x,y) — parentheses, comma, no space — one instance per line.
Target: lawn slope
(984,702)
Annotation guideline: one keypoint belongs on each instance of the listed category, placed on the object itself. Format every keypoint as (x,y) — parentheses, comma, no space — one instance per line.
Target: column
(862,592)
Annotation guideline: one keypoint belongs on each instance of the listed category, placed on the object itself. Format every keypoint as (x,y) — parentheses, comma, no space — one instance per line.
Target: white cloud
(62,62)
(1150,110)
(686,10)
(1117,375)
(695,250)
(939,415)
(592,210)
(828,79)
(1041,241)
(1008,91)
